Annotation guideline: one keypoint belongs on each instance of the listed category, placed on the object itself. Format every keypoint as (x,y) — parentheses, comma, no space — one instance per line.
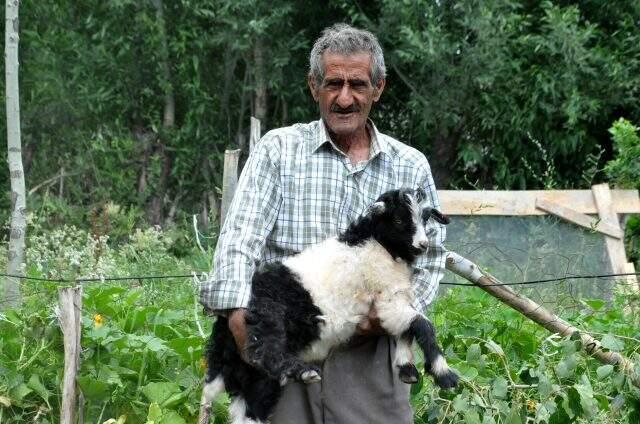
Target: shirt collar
(378,142)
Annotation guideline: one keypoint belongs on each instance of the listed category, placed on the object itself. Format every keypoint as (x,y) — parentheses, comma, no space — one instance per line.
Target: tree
(18,201)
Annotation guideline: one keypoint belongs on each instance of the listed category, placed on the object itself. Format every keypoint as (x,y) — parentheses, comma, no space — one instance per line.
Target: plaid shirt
(296,189)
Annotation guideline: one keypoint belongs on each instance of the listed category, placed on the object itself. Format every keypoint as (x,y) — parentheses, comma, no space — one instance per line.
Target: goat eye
(397,221)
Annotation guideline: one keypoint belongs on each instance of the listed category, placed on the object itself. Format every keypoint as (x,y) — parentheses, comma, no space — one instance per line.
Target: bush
(624,171)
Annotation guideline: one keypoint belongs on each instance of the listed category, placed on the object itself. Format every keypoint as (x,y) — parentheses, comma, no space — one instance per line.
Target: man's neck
(356,146)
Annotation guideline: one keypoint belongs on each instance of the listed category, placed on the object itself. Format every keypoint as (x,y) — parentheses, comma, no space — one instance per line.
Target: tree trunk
(260,80)
(443,155)
(169,116)
(12,295)
(156,205)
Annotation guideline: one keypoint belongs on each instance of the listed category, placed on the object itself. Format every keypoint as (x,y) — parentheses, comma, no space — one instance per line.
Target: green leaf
(595,304)
(499,388)
(604,371)
(494,347)
(93,388)
(545,388)
(415,388)
(155,413)
(471,417)
(171,417)
(37,386)
(587,402)
(161,391)
(612,343)
(460,403)
(473,354)
(20,391)
(188,348)
(566,367)
(465,371)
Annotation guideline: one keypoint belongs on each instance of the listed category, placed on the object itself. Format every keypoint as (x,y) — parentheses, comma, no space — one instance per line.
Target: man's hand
(238,328)
(370,325)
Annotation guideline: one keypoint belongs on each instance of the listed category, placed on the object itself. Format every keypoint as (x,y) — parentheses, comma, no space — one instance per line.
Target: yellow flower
(97,320)
(531,405)
(203,363)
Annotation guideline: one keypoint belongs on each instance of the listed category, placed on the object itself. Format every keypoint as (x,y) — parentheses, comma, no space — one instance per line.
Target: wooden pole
(70,308)
(255,134)
(537,313)
(229,181)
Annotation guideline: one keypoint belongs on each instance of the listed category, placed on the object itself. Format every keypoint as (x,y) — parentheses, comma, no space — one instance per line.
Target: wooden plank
(229,180)
(578,218)
(615,247)
(517,203)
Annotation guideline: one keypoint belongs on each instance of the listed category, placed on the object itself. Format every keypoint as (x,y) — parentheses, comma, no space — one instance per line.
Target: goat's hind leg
(219,342)
(267,349)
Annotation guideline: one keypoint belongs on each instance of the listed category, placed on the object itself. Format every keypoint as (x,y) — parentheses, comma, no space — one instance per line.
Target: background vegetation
(499,94)
(126,113)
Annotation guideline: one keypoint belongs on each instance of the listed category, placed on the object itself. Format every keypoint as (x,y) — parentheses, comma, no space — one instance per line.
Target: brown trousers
(359,385)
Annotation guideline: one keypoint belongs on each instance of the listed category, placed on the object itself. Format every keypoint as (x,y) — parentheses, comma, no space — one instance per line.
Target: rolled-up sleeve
(249,221)
(429,267)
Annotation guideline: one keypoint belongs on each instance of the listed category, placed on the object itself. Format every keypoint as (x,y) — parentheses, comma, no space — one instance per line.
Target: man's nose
(345,98)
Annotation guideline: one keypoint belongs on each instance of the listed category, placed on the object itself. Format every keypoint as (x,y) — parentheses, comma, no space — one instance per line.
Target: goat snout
(423,245)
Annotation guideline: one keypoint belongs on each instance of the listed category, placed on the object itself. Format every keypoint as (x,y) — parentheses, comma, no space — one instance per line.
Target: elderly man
(304,183)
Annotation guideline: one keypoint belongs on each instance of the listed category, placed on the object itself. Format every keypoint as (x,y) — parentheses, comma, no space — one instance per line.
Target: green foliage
(624,171)
(142,348)
(514,371)
(469,83)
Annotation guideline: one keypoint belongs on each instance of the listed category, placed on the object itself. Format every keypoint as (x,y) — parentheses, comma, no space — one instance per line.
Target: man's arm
(250,219)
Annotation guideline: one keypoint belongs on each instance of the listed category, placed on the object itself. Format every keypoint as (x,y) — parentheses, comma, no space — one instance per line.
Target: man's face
(346,93)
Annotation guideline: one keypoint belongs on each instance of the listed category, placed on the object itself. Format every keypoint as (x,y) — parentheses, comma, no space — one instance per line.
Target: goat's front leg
(404,322)
(266,346)
(434,361)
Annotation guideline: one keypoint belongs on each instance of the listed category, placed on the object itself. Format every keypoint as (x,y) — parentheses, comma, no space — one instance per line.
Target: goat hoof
(283,380)
(408,373)
(319,319)
(311,376)
(447,380)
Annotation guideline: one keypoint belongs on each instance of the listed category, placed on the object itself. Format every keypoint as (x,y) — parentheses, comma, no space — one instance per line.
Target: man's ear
(312,83)
(377,90)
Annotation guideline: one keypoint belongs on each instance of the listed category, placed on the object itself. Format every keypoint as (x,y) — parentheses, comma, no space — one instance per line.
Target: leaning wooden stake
(70,308)
(537,313)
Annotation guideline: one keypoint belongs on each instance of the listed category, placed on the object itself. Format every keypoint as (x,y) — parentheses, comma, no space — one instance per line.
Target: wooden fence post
(255,133)
(70,310)
(229,181)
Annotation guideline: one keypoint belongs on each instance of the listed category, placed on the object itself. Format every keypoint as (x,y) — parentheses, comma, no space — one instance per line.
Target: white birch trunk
(12,295)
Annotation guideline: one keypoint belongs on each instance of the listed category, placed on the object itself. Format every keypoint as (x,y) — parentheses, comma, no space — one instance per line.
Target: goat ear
(377,208)
(429,212)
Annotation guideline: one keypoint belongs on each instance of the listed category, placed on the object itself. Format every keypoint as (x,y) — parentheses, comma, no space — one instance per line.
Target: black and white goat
(311,302)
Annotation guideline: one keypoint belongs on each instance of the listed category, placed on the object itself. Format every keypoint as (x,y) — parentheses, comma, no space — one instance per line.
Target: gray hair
(346,40)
